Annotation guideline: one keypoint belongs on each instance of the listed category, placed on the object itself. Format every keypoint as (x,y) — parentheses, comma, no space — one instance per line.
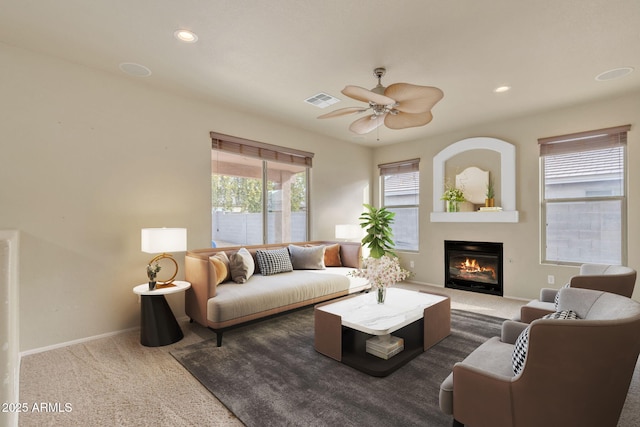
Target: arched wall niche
(507,153)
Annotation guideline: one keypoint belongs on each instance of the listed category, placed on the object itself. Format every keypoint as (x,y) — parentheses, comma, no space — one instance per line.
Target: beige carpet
(117,382)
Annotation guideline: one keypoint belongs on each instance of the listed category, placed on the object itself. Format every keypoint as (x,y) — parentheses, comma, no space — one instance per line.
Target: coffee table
(343,326)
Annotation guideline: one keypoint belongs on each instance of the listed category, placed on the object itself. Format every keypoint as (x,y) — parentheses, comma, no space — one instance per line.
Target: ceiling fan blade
(367,124)
(413,98)
(407,120)
(365,95)
(343,112)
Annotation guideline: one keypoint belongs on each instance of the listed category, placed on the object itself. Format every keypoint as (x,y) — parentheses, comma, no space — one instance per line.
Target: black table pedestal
(158,325)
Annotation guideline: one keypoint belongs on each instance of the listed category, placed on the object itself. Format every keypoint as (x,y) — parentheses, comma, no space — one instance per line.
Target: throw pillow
(332,256)
(555,299)
(273,261)
(242,265)
(220,263)
(522,343)
(307,258)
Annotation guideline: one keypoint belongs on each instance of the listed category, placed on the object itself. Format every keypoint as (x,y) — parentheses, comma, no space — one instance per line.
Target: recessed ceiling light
(502,89)
(616,73)
(134,69)
(185,36)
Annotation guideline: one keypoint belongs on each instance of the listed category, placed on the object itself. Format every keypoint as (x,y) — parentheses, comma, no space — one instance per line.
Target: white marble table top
(401,307)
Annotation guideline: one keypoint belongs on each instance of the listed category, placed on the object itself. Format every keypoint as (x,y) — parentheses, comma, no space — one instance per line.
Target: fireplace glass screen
(474,266)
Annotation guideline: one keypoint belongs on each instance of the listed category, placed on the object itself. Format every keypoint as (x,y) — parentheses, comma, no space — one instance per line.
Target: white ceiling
(267,57)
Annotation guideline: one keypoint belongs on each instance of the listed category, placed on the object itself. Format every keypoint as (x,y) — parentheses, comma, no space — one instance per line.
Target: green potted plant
(489,201)
(377,223)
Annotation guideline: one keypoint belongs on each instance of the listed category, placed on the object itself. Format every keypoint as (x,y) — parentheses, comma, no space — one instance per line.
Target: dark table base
(158,325)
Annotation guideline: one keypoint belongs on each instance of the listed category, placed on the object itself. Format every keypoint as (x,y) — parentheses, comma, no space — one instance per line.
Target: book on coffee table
(385,346)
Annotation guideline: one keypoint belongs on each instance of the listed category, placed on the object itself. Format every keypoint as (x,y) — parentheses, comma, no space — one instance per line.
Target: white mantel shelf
(503,216)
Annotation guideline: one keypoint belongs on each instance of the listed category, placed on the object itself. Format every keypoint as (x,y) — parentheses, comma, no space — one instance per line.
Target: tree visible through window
(583,198)
(259,192)
(401,191)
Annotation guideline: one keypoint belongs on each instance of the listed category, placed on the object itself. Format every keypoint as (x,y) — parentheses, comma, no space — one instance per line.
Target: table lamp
(163,240)
(348,232)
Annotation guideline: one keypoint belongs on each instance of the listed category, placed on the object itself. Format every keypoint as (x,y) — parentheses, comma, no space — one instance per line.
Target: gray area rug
(268,374)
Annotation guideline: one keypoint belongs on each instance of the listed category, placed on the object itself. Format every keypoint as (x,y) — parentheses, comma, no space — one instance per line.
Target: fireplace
(473,266)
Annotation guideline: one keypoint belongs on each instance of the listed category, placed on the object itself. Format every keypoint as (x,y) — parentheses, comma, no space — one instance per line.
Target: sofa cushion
(242,265)
(332,256)
(522,343)
(220,262)
(307,257)
(273,261)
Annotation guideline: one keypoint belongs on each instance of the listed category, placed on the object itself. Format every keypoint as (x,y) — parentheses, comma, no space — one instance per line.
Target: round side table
(158,325)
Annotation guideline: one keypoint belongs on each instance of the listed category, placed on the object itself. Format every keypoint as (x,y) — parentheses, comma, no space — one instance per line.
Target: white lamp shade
(159,240)
(348,231)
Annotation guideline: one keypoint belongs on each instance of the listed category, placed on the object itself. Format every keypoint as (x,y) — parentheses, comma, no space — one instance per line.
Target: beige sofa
(572,372)
(220,306)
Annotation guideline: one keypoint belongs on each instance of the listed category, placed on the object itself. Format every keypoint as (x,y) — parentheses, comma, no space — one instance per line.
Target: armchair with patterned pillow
(571,368)
(616,279)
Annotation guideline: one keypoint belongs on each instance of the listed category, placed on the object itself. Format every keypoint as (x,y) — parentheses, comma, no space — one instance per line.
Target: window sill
(504,216)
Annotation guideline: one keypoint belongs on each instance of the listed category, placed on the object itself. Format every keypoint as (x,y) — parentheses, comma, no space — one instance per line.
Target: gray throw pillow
(307,257)
(241,265)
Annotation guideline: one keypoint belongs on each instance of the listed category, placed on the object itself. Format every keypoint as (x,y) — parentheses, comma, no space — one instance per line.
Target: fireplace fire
(474,266)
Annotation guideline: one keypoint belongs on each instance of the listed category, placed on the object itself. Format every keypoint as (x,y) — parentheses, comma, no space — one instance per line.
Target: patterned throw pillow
(522,343)
(273,261)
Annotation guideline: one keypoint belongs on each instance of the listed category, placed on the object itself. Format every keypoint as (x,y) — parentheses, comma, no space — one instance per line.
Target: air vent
(322,100)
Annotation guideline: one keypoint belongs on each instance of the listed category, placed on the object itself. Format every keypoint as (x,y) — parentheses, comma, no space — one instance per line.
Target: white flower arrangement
(381,272)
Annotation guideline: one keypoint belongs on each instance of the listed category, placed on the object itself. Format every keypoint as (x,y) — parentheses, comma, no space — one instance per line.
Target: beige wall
(88,159)
(524,275)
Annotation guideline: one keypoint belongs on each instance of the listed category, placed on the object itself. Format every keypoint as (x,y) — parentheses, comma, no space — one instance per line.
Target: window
(400,190)
(584,197)
(259,192)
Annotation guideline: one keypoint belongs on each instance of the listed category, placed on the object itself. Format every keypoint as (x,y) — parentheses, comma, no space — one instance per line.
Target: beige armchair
(575,373)
(616,279)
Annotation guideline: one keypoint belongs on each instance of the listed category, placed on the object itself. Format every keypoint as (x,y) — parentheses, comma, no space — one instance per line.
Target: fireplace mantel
(507,181)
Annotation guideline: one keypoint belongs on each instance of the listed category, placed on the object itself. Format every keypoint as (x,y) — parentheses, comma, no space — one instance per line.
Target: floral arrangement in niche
(453,194)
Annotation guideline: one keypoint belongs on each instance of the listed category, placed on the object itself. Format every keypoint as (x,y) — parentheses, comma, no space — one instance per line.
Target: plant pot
(489,203)
(152,285)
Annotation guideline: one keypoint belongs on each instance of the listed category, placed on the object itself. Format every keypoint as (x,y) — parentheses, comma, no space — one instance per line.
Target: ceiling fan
(399,106)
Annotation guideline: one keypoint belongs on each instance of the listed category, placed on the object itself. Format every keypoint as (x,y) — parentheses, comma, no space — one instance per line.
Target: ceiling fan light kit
(399,106)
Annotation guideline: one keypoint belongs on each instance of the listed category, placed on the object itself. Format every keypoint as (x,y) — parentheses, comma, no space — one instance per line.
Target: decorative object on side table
(152,272)
(453,196)
(489,201)
(162,240)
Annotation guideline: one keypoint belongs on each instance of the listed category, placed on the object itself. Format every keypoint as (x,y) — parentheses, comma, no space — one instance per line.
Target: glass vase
(381,294)
(453,206)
